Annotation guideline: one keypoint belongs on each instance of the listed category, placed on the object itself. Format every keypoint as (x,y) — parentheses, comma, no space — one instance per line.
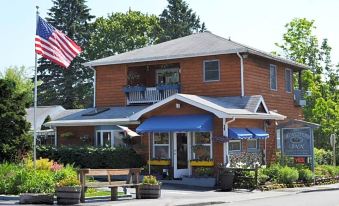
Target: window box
(162,87)
(202,163)
(160,162)
(129,89)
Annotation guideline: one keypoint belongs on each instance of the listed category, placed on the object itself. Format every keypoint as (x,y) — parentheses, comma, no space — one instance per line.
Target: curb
(9,197)
(320,190)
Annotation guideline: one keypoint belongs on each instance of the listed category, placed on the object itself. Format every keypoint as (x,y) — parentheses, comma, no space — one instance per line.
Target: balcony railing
(144,95)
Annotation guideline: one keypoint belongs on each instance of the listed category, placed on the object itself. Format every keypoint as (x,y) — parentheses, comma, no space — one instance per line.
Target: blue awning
(239,133)
(258,133)
(177,123)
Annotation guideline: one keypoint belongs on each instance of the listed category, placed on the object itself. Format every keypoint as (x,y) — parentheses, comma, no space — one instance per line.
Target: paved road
(319,198)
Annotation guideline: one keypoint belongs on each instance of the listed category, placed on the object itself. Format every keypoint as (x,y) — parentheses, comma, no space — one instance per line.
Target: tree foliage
(23,84)
(71,87)
(178,20)
(14,138)
(121,32)
(322,80)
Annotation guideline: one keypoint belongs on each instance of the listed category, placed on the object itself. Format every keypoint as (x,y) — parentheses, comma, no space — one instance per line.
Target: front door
(181,154)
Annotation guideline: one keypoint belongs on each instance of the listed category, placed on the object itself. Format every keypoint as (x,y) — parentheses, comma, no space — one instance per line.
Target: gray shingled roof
(111,113)
(200,44)
(55,112)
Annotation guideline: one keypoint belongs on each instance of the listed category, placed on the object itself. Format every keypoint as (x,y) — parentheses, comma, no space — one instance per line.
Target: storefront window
(234,145)
(202,146)
(161,145)
(252,144)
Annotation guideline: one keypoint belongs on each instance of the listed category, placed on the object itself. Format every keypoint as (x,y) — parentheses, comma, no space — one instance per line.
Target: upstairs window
(288,80)
(211,70)
(273,77)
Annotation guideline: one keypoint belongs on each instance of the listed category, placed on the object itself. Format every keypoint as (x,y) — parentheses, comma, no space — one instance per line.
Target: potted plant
(68,191)
(150,188)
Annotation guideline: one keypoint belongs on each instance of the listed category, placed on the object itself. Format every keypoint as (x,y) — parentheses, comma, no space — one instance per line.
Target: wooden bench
(132,180)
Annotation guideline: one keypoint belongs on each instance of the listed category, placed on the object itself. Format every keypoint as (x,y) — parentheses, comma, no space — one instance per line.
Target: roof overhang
(90,122)
(214,109)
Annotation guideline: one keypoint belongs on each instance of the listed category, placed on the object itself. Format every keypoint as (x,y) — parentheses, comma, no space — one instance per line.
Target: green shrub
(287,175)
(305,175)
(272,172)
(262,177)
(323,157)
(92,157)
(8,174)
(150,180)
(34,181)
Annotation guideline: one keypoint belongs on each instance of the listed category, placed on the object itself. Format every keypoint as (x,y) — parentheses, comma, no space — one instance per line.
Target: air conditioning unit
(299,98)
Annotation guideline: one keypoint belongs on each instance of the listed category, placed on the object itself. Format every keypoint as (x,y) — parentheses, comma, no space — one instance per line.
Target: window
(234,146)
(288,80)
(202,146)
(211,70)
(167,76)
(161,146)
(273,77)
(109,138)
(252,144)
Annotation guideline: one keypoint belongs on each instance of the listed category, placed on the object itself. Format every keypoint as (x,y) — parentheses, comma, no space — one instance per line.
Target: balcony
(299,97)
(149,95)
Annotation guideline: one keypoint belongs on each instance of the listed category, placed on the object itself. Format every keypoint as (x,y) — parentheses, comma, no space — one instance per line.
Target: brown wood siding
(110,81)
(257,82)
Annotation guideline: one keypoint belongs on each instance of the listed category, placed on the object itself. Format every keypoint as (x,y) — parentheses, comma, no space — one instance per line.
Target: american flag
(54,45)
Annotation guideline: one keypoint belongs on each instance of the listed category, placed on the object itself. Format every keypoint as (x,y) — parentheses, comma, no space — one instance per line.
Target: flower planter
(129,89)
(36,198)
(163,87)
(68,195)
(195,163)
(150,191)
(160,162)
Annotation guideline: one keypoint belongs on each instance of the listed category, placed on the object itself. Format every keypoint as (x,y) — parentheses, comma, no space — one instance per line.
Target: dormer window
(211,70)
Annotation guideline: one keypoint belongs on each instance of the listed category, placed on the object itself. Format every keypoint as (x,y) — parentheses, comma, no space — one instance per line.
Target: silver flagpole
(35,96)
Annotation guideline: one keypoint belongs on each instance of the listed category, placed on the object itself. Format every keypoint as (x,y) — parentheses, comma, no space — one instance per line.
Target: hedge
(93,157)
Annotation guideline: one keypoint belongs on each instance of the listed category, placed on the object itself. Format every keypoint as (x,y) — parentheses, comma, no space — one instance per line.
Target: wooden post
(114,193)
(82,182)
(256,176)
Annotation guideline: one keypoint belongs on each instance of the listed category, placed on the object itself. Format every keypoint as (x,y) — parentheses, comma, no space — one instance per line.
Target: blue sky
(256,23)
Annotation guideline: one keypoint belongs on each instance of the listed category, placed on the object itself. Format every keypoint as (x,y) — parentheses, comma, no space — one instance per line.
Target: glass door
(181,154)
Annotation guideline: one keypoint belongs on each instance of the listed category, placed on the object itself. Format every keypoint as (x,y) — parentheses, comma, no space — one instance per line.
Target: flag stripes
(54,45)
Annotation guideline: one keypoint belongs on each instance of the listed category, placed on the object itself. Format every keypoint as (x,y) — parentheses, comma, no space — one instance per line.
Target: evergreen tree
(178,20)
(14,138)
(71,87)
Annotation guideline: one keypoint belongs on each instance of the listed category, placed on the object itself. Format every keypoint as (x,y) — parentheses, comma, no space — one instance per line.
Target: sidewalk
(182,195)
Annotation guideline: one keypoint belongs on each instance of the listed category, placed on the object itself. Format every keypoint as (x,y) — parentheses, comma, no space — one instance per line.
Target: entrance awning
(239,133)
(177,123)
(258,133)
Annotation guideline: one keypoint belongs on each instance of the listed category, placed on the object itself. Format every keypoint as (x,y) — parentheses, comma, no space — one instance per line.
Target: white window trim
(102,138)
(168,145)
(210,144)
(203,71)
(291,78)
(234,151)
(276,77)
(165,70)
(256,145)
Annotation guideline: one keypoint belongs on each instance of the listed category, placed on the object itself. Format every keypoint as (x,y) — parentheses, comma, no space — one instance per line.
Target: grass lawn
(99,193)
